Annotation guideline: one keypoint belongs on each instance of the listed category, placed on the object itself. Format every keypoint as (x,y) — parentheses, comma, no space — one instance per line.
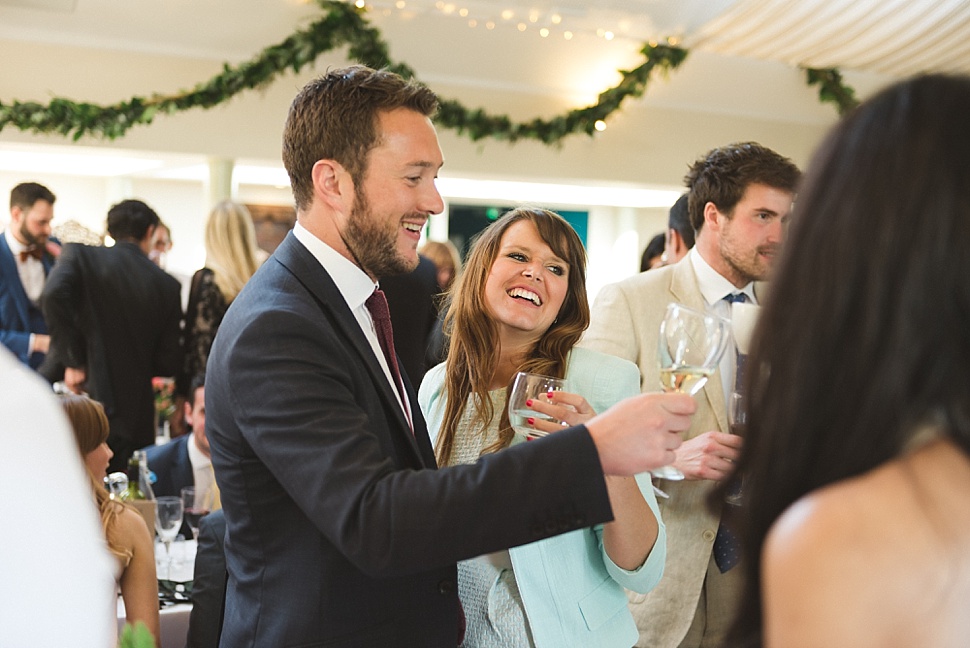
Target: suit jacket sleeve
(61,303)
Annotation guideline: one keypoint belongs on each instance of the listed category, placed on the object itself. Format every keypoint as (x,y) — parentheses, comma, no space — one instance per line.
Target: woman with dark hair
(856,515)
(520,305)
(127,535)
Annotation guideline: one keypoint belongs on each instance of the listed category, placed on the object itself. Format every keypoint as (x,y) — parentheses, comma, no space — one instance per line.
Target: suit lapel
(308,271)
(684,288)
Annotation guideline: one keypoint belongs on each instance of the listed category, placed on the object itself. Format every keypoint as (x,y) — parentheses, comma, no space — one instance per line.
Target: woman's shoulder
(882,540)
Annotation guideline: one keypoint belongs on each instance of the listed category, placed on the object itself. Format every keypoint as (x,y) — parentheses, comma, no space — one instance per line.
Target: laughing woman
(521,305)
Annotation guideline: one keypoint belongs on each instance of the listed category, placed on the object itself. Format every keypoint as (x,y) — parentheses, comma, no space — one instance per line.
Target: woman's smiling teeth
(522,293)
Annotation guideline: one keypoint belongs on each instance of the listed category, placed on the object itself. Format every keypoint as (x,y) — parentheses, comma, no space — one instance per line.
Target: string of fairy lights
(560,23)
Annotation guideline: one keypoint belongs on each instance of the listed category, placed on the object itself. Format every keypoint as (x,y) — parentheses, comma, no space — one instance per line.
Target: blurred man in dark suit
(114,318)
(27,255)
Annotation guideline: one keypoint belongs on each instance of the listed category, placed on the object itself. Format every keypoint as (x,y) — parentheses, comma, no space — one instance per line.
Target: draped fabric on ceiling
(893,37)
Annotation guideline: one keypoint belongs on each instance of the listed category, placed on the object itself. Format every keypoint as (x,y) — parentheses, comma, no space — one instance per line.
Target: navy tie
(727,549)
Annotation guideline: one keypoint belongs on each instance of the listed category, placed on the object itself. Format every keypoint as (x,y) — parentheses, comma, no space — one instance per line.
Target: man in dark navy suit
(27,254)
(175,462)
(185,461)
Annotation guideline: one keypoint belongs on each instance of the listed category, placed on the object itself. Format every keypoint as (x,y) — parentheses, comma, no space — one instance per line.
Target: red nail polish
(549,395)
(530,421)
(528,403)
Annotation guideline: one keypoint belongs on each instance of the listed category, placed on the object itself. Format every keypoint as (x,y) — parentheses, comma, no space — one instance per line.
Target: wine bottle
(144,475)
(133,492)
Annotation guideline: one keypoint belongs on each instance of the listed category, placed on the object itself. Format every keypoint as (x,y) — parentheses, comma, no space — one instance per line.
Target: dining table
(175,582)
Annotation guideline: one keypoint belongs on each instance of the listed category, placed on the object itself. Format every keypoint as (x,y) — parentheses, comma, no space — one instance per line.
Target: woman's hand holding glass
(563,409)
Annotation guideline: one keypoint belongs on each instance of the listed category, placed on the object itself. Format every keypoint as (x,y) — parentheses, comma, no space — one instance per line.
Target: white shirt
(31,270)
(58,578)
(355,287)
(714,287)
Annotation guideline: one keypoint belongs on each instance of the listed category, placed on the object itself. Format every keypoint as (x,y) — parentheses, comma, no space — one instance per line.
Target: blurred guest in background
(161,245)
(856,516)
(521,306)
(115,319)
(652,256)
(446,259)
(231,258)
(26,258)
(128,537)
(58,578)
(680,233)
(185,461)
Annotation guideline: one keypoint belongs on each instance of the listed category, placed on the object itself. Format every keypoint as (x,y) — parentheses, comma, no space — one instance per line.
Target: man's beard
(29,238)
(373,243)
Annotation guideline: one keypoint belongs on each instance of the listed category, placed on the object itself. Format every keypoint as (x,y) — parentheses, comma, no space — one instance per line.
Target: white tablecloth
(173,619)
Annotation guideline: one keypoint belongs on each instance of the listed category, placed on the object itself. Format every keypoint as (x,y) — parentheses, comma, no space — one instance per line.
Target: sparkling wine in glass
(168,519)
(738,420)
(690,346)
(529,386)
(195,506)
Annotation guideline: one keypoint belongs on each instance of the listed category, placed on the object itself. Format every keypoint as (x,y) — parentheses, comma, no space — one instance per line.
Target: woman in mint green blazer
(521,306)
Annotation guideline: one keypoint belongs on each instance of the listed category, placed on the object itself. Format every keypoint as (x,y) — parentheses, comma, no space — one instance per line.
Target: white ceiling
(742,61)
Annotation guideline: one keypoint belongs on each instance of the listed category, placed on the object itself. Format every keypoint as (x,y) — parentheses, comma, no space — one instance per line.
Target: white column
(220,185)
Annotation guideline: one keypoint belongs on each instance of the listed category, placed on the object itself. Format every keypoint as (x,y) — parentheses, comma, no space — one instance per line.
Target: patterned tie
(727,549)
(377,305)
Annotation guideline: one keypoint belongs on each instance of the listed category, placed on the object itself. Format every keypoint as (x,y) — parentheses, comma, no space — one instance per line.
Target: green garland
(342,25)
(831,88)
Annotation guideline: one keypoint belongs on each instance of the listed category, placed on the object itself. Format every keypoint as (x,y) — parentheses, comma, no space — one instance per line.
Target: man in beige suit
(740,199)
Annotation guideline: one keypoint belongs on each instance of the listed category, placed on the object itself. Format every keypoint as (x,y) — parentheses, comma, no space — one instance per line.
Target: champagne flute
(168,519)
(738,419)
(691,344)
(195,505)
(530,386)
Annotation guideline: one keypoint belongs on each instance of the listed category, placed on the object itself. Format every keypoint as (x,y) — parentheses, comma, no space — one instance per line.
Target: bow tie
(33,251)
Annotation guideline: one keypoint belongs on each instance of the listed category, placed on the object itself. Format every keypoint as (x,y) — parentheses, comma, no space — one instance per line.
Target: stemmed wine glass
(530,386)
(168,519)
(195,505)
(691,344)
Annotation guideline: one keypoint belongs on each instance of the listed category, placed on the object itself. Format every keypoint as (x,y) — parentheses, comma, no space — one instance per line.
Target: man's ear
(677,242)
(16,213)
(332,184)
(712,216)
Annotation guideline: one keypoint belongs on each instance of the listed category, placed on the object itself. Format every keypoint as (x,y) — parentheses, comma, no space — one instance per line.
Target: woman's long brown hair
(90,425)
(474,349)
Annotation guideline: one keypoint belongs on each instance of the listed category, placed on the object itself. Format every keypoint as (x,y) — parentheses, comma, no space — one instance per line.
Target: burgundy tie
(377,305)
